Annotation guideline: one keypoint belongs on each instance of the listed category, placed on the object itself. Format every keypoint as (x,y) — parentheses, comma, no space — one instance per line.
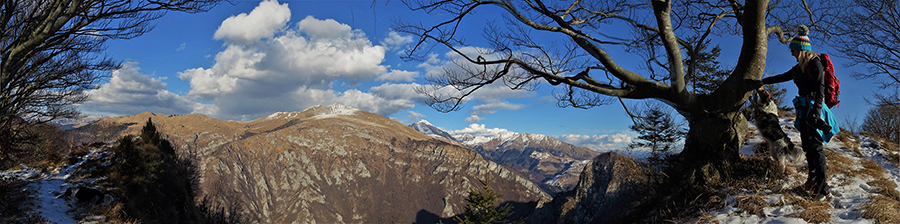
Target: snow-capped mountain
(552,164)
(427,128)
(330,164)
(313,161)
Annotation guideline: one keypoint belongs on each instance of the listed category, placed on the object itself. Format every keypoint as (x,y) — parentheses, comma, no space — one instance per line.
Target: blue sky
(254,58)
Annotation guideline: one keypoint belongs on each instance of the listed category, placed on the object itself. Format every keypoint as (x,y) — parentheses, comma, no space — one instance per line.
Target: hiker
(814,120)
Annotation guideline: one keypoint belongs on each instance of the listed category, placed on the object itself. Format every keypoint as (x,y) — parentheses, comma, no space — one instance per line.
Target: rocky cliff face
(612,189)
(553,164)
(331,164)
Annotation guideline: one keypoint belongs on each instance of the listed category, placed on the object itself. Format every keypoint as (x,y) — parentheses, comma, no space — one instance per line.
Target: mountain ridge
(551,163)
(331,164)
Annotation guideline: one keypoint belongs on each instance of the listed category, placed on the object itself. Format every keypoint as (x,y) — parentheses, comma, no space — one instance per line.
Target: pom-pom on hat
(801,41)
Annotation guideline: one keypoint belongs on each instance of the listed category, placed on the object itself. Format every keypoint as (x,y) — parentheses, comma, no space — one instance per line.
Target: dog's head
(762,102)
(764,95)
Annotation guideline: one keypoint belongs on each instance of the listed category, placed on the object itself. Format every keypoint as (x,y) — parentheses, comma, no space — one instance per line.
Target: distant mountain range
(333,164)
(553,164)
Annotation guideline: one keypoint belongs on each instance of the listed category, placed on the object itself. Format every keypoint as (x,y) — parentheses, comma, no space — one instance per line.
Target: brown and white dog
(764,111)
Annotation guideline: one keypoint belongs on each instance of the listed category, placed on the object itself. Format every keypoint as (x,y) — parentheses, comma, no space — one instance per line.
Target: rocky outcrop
(551,163)
(332,164)
(611,189)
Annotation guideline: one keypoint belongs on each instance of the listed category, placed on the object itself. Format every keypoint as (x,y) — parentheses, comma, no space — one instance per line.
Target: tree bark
(712,146)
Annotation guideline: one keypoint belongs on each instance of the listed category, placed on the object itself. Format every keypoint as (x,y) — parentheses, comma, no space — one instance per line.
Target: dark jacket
(810,85)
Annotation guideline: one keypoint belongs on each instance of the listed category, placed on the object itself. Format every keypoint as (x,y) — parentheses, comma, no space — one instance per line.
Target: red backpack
(832,84)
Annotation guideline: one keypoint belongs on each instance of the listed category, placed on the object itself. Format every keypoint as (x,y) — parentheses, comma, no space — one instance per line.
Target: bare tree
(883,120)
(671,37)
(867,35)
(51,53)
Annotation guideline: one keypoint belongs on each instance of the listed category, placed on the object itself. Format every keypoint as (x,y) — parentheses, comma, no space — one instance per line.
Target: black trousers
(815,156)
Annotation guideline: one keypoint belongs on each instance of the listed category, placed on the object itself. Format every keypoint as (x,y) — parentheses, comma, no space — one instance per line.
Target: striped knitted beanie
(801,41)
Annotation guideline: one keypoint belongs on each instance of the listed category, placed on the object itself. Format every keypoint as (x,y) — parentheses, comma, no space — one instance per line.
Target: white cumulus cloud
(491,108)
(481,130)
(600,143)
(264,21)
(473,118)
(294,70)
(398,75)
(396,40)
(324,29)
(130,92)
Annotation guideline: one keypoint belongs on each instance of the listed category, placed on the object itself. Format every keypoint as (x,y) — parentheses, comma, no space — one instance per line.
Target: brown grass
(872,169)
(818,214)
(882,209)
(893,159)
(752,204)
(890,149)
(839,164)
(759,172)
(886,188)
(705,218)
(849,140)
(813,211)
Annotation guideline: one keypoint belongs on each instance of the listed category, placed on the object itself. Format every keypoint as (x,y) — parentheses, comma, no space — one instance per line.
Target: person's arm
(783,77)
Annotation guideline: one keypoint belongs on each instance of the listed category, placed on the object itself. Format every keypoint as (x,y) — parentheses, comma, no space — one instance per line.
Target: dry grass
(813,211)
(816,214)
(893,159)
(115,213)
(760,172)
(838,163)
(752,204)
(886,187)
(890,148)
(705,218)
(849,140)
(872,169)
(882,209)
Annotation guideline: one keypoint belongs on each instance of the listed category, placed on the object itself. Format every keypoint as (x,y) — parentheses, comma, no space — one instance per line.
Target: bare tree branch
(50,53)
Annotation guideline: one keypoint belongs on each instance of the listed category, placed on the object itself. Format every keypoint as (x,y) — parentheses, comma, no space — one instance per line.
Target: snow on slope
(477,135)
(47,187)
(850,194)
(427,128)
(320,112)
(333,110)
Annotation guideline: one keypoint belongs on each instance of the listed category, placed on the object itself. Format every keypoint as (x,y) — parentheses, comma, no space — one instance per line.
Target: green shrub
(483,206)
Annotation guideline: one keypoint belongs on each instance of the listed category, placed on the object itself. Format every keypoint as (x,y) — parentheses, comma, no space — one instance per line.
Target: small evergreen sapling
(658,132)
(483,205)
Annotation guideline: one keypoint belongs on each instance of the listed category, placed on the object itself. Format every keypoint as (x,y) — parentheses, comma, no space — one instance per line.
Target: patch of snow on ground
(334,110)
(44,187)
(282,115)
(850,194)
(539,155)
(47,187)
(893,172)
